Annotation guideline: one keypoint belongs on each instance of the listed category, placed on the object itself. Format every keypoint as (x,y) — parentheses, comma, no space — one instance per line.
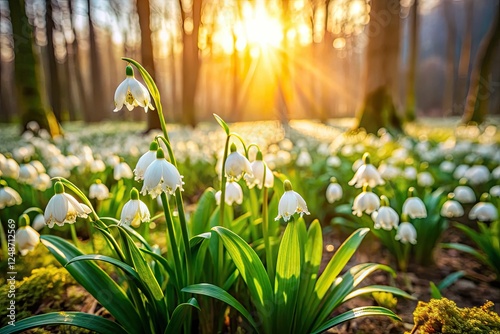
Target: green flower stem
(223,182)
(265,233)
(3,240)
(74,237)
(173,242)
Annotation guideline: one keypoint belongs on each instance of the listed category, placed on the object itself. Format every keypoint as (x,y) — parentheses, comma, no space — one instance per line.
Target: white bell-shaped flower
(303,159)
(132,93)
(484,211)
(10,168)
(63,208)
(495,191)
(42,182)
(291,202)
(386,217)
(122,171)
(236,165)
(39,222)
(8,196)
(334,191)
(98,191)
(366,202)
(27,239)
(460,171)
(135,211)
(414,207)
(406,233)
(257,177)
(425,179)
(447,166)
(477,174)
(366,174)
(233,194)
(145,160)
(410,173)
(452,208)
(161,176)
(464,194)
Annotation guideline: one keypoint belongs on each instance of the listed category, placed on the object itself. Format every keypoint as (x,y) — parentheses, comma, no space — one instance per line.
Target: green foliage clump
(443,316)
(46,290)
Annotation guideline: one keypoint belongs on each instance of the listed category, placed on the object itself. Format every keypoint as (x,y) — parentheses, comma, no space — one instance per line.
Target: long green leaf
(465,249)
(251,270)
(95,257)
(222,123)
(161,260)
(377,288)
(204,209)
(78,319)
(214,291)
(353,314)
(286,284)
(180,315)
(96,282)
(450,279)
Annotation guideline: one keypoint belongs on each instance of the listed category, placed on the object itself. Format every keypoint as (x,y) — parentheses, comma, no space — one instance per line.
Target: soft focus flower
(236,165)
(27,239)
(291,202)
(63,208)
(365,202)
(496,172)
(42,182)
(134,211)
(410,173)
(452,208)
(97,166)
(27,173)
(38,222)
(304,159)
(38,166)
(447,166)
(406,233)
(477,174)
(10,168)
(258,174)
(132,93)
(386,217)
(233,194)
(413,206)
(484,211)
(495,191)
(122,171)
(425,179)
(334,191)
(366,174)
(334,161)
(464,194)
(388,171)
(98,191)
(161,176)
(460,171)
(145,160)
(8,196)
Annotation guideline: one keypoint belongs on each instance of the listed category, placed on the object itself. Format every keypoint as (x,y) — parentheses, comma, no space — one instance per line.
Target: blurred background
(251,60)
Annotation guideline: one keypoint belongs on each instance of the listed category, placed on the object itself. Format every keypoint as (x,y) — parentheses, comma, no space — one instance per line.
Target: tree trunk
(464,62)
(381,72)
(27,73)
(480,88)
(450,58)
(410,113)
(190,61)
(54,84)
(144,12)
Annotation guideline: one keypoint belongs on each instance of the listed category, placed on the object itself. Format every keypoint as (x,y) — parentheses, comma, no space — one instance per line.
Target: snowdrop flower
(452,208)
(236,165)
(388,171)
(334,161)
(8,196)
(366,174)
(63,208)
(464,194)
(257,177)
(10,168)
(484,211)
(97,166)
(145,160)
(496,172)
(112,160)
(386,217)
(39,222)
(234,193)
(98,191)
(406,233)
(410,173)
(460,171)
(42,182)
(132,93)
(495,191)
(134,211)
(161,176)
(356,164)
(291,202)
(27,173)
(447,166)
(122,171)
(425,179)
(365,202)
(413,206)
(477,174)
(334,191)
(27,238)
(304,159)
(58,171)
(38,166)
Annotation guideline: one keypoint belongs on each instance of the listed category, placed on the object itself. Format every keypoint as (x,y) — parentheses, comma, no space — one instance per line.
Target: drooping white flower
(484,211)
(386,217)
(452,208)
(410,173)
(132,93)
(406,233)
(366,202)
(495,173)
(334,161)
(98,191)
(135,211)
(257,177)
(10,168)
(477,174)
(304,159)
(42,182)
(122,171)
(333,191)
(233,194)
(236,165)
(389,171)
(145,160)
(425,179)
(8,196)
(495,191)
(414,207)
(291,202)
(161,176)
(63,208)
(27,239)
(366,174)
(27,173)
(447,166)
(38,222)
(97,166)
(460,171)
(40,168)
(464,194)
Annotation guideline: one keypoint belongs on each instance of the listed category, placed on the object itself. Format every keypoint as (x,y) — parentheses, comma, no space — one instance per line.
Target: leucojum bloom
(291,202)
(132,93)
